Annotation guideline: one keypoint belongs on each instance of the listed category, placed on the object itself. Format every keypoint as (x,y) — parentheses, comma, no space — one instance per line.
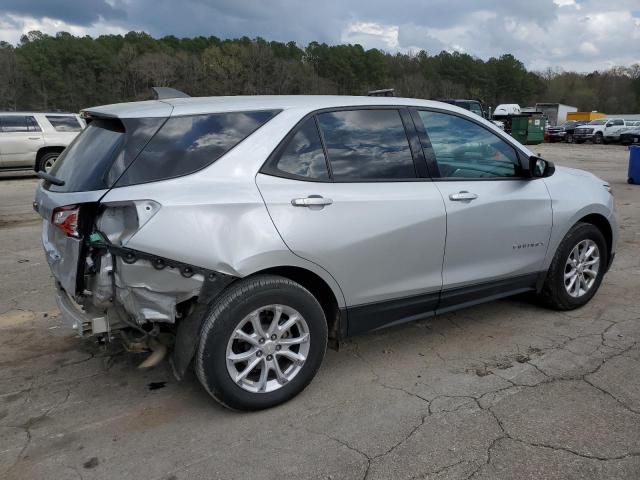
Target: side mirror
(609,124)
(539,167)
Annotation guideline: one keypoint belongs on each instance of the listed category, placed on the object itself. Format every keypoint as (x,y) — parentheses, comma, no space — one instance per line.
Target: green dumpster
(527,129)
(519,127)
(535,130)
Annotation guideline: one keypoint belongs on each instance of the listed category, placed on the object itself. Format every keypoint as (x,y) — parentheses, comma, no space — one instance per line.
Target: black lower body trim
(462,297)
(372,316)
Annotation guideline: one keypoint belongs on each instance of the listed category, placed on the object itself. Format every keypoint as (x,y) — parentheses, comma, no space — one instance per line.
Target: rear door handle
(463,196)
(311,201)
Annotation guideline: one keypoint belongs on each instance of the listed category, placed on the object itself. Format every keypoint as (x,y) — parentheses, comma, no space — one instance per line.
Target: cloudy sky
(581,35)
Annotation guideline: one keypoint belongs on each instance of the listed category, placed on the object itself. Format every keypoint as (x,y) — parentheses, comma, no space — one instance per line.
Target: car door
(346,191)
(21,138)
(498,221)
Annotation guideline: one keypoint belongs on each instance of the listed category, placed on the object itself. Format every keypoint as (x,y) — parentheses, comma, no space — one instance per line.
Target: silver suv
(34,141)
(255,230)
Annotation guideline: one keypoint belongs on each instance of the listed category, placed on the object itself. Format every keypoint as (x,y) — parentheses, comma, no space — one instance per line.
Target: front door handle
(311,201)
(463,196)
(34,138)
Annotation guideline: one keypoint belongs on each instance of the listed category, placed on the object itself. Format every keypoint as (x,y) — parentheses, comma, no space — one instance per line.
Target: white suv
(255,229)
(35,140)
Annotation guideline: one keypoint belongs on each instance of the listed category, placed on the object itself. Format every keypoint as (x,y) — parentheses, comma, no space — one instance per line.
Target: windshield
(101,152)
(103,140)
(597,122)
(471,106)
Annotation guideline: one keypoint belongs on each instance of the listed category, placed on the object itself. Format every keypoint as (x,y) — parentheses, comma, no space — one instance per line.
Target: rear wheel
(46,161)
(262,344)
(577,268)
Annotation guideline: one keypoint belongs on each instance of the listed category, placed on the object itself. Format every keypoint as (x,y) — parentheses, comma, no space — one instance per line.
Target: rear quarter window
(64,123)
(186,144)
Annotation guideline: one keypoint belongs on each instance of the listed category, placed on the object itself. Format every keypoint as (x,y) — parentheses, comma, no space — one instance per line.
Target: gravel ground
(500,391)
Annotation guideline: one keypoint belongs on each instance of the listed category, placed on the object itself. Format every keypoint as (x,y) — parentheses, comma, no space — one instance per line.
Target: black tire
(242,298)
(47,157)
(630,181)
(569,138)
(554,293)
(598,139)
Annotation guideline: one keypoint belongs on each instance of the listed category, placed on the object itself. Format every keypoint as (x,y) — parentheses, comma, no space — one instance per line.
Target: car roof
(199,105)
(65,114)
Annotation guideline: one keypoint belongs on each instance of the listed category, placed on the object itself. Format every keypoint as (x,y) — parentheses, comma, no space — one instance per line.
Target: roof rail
(161,93)
(385,92)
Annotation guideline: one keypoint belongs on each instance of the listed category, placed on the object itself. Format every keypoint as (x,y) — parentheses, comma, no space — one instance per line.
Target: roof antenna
(162,93)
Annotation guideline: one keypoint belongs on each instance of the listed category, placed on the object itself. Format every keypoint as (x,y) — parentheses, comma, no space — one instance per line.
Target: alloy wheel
(268,348)
(581,268)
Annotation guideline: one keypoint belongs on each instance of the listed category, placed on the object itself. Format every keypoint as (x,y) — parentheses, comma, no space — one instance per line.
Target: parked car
(602,130)
(474,106)
(35,140)
(257,229)
(563,132)
(630,136)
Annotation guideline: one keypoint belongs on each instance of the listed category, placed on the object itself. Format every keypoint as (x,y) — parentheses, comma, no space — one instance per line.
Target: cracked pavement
(499,391)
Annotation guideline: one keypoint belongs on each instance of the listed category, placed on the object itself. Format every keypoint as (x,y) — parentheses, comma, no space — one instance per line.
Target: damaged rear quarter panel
(215,219)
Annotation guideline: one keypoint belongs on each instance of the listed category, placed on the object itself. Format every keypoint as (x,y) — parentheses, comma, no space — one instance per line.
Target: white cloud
(372,34)
(572,34)
(12,27)
(567,3)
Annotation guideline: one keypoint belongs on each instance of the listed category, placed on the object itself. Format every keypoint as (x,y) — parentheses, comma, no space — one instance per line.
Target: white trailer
(556,113)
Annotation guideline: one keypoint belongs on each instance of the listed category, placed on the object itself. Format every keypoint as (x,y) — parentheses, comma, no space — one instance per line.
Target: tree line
(66,72)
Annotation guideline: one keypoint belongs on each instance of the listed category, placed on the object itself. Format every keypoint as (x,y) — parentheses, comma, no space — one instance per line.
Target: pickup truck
(602,130)
(564,132)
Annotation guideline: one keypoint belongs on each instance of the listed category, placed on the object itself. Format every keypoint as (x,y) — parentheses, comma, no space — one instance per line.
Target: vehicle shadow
(17,175)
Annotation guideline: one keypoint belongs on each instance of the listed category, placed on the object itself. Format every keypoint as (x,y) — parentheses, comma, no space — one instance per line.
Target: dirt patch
(16,317)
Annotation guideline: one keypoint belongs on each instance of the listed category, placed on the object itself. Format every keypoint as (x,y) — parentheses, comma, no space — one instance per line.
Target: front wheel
(577,268)
(262,344)
(569,138)
(598,139)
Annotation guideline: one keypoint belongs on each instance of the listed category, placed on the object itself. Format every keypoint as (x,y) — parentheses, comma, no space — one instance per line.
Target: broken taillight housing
(66,219)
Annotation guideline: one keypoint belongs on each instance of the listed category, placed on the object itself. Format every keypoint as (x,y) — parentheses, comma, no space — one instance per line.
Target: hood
(578,173)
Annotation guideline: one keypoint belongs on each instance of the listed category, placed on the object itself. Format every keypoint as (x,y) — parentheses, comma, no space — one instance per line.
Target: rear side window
(367,145)
(64,123)
(304,156)
(186,144)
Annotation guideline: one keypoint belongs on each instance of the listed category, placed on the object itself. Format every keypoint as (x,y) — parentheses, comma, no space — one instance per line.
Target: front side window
(464,149)
(64,123)
(367,145)
(304,156)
